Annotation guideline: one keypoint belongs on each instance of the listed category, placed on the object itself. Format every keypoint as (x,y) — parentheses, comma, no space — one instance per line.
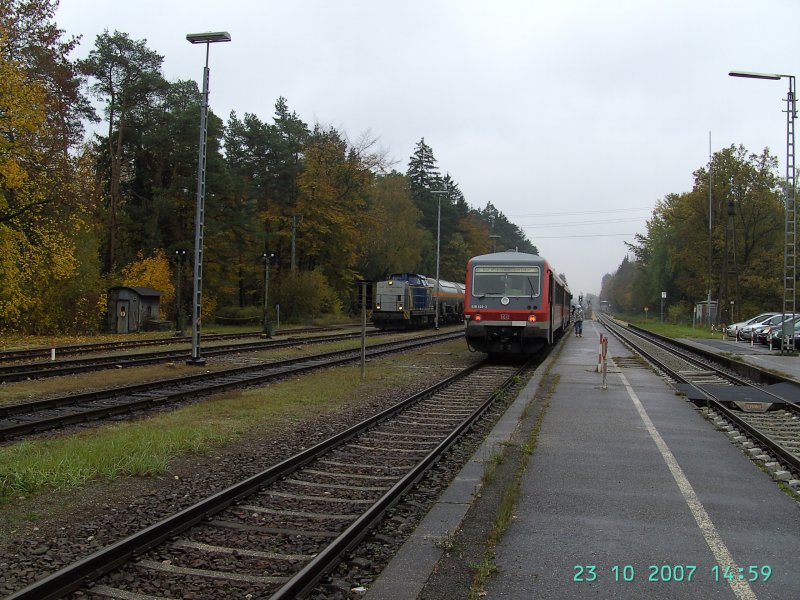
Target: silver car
(775,339)
(733,329)
(748,331)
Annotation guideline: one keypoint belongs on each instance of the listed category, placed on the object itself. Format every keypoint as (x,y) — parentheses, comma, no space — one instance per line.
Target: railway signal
(365,292)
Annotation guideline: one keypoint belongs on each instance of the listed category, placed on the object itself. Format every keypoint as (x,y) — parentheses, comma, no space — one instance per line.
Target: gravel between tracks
(80,522)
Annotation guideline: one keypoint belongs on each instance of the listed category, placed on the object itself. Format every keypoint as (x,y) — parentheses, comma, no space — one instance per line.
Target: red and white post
(600,355)
(604,354)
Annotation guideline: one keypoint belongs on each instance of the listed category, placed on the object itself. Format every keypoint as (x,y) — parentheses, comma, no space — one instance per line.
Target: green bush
(238,315)
(306,295)
(240,312)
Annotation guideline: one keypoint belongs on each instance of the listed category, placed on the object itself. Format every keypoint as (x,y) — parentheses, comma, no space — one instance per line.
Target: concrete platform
(627,484)
(754,354)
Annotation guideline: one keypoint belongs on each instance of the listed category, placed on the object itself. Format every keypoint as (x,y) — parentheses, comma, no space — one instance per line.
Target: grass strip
(145,447)
(520,453)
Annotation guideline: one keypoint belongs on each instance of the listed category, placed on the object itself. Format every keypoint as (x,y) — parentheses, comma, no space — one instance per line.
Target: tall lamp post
(789,259)
(494,237)
(438,241)
(180,256)
(267,256)
(207,38)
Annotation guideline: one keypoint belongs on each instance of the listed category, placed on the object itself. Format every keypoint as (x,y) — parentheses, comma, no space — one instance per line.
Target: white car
(733,330)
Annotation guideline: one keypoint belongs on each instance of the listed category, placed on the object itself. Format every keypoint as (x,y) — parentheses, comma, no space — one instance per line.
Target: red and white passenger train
(515,303)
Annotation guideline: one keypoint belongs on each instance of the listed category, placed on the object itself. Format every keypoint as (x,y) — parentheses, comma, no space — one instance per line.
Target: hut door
(123,312)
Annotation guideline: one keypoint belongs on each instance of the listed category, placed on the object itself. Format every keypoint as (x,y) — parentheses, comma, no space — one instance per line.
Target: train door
(550,307)
(123,314)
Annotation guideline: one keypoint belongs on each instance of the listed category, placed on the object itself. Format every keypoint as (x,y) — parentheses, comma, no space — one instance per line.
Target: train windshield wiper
(530,282)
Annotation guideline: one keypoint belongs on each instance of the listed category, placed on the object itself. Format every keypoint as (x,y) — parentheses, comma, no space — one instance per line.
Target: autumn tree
(33,39)
(161,185)
(126,76)
(22,119)
(510,235)
(47,272)
(746,222)
(474,231)
(152,271)
(619,289)
(32,47)
(333,202)
(393,240)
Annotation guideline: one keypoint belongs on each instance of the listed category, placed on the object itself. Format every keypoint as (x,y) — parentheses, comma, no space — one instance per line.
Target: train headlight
(531,318)
(378,306)
(399,307)
(477,318)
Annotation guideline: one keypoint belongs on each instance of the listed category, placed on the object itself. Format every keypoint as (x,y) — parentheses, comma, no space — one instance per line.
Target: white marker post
(600,355)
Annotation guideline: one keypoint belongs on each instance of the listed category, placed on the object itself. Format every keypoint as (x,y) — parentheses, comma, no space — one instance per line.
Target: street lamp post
(267,256)
(207,38)
(438,241)
(789,258)
(494,237)
(180,255)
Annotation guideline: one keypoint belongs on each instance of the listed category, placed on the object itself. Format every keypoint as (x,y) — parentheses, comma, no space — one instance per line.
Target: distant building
(130,308)
(704,310)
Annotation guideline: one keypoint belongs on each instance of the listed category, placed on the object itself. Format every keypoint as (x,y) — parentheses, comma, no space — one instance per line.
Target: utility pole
(181,258)
(296,219)
(710,219)
(438,242)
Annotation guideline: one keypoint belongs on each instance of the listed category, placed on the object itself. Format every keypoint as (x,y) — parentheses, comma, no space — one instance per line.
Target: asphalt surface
(631,493)
(754,354)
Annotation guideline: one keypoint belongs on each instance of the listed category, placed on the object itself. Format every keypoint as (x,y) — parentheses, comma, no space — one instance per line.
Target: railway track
(39,370)
(277,534)
(765,420)
(76,349)
(42,415)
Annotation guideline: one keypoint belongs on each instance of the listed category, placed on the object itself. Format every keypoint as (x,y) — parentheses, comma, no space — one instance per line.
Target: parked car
(761,334)
(733,329)
(748,331)
(774,337)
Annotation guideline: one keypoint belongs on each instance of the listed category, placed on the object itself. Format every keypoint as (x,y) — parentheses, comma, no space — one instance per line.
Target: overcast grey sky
(573,117)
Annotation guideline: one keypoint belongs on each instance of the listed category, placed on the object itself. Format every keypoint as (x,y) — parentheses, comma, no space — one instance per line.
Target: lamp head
(751,75)
(209,37)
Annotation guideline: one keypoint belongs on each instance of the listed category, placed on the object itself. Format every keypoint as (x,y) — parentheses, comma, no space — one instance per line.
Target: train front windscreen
(506,281)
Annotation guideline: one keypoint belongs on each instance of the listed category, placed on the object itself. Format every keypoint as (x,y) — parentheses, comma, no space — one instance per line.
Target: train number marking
(505,317)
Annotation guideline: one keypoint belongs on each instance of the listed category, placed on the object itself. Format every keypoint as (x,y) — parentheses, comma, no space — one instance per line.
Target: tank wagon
(408,300)
(515,303)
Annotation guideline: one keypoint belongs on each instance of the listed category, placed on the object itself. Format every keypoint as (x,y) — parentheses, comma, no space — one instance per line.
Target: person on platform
(578,321)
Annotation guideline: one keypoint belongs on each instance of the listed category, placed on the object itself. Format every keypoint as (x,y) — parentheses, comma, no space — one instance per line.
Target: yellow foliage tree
(37,247)
(153,272)
(22,117)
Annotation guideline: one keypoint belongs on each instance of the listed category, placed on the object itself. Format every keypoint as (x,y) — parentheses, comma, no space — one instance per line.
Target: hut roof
(142,291)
